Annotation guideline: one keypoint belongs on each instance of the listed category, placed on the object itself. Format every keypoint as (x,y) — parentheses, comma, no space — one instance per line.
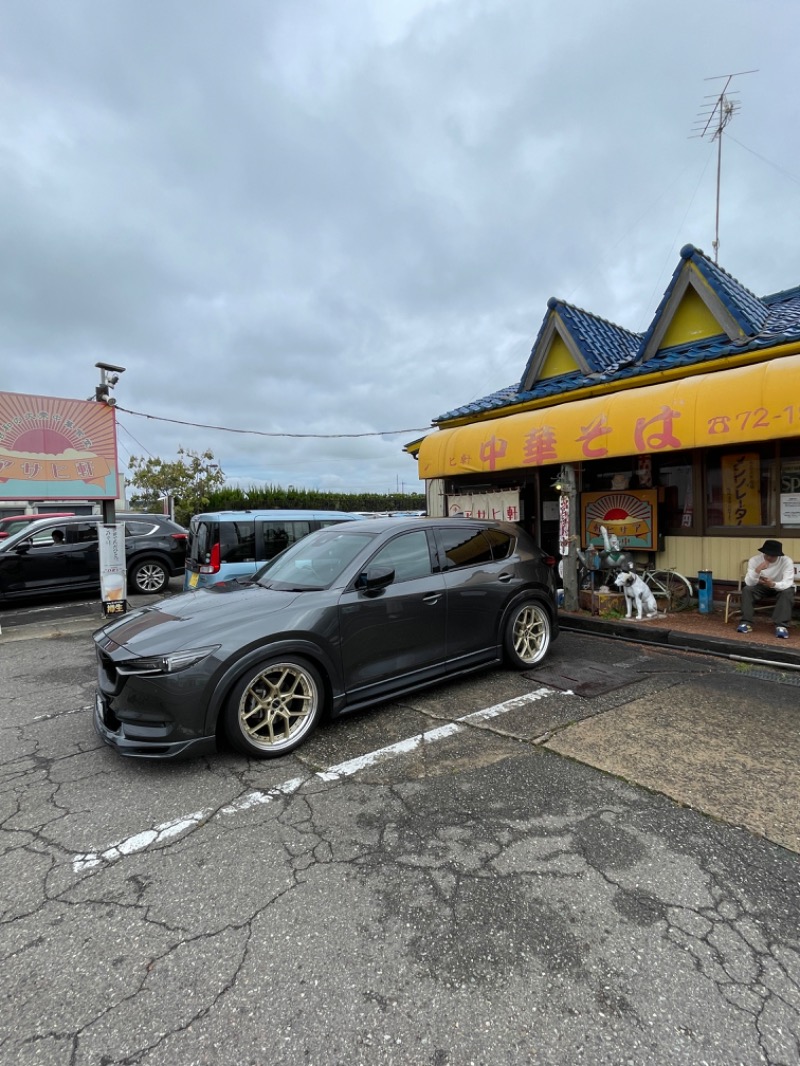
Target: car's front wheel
(527,634)
(148,576)
(274,707)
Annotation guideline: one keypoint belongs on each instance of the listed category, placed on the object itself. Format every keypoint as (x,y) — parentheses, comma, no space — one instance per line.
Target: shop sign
(53,448)
(728,408)
(741,495)
(631,516)
(498,506)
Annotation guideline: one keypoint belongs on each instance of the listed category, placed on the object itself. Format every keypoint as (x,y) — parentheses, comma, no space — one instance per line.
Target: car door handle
(505,578)
(432,597)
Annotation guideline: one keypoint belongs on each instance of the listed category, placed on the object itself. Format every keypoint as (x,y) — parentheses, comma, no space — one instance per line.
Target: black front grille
(108,670)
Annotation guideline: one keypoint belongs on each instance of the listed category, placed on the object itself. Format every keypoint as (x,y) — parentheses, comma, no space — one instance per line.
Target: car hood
(196,619)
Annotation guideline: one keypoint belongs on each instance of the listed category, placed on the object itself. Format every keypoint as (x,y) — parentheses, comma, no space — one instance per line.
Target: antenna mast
(711,121)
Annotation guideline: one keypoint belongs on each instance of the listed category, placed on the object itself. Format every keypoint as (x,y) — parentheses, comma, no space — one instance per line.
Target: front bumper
(144,742)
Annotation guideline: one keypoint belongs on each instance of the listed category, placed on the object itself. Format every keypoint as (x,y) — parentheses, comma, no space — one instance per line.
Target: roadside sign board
(113,572)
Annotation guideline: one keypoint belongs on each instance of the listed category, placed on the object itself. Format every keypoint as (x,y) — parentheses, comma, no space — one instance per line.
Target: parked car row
(218,546)
(61,554)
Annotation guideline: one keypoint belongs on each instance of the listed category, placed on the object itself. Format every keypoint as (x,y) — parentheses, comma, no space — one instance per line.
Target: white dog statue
(636,592)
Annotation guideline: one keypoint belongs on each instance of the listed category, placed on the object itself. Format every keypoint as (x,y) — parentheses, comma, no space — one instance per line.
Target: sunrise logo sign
(630,516)
(53,448)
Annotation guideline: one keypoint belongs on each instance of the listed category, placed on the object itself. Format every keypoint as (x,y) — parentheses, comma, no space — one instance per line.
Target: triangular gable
(702,301)
(572,340)
(558,358)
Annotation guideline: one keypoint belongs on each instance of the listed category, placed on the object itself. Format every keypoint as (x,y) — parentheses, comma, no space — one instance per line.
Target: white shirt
(781,572)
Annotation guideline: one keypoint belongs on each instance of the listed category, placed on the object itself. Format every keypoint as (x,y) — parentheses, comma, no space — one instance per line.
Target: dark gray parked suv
(62,555)
(348,616)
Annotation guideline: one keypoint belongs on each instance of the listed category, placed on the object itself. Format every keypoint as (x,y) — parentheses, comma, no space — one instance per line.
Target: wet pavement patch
(586,678)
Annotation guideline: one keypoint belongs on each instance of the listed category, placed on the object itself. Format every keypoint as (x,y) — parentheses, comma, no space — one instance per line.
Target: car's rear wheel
(148,576)
(527,634)
(274,707)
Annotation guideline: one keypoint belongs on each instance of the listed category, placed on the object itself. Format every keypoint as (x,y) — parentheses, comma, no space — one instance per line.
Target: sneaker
(781,631)
(745,627)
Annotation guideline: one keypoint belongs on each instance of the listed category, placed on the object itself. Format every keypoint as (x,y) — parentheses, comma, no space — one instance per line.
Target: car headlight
(171,663)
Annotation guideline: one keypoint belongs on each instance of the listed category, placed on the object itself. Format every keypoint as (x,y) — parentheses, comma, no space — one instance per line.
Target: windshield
(316,561)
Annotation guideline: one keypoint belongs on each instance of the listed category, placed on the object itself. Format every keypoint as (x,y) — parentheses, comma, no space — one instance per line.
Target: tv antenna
(712,119)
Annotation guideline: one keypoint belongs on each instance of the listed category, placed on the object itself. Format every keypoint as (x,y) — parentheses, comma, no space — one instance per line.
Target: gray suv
(62,555)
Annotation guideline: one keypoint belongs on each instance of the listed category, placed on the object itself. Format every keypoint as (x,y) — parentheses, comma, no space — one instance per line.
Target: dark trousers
(753,595)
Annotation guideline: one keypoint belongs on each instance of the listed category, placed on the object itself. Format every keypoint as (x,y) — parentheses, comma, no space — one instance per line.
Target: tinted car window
(237,542)
(464,546)
(502,543)
(79,534)
(408,555)
(202,538)
(138,529)
(279,535)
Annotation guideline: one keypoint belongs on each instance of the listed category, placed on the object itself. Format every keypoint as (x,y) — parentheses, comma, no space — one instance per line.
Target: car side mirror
(22,549)
(375,578)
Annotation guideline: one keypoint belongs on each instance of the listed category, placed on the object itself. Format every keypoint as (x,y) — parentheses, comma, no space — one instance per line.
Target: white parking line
(160,833)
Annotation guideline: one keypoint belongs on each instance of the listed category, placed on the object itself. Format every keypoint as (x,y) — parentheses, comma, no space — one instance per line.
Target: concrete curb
(676,639)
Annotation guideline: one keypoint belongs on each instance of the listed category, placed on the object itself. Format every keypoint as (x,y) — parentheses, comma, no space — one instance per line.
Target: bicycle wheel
(673,587)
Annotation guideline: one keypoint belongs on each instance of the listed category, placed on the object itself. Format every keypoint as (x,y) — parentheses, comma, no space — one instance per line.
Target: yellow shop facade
(683,440)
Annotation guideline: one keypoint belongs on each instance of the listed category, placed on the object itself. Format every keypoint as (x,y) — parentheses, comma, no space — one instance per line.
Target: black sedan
(349,616)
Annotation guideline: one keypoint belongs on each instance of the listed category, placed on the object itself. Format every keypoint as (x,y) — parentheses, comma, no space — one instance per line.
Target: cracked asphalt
(495,871)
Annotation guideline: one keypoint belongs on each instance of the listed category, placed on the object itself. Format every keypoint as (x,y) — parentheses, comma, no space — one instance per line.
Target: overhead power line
(266,433)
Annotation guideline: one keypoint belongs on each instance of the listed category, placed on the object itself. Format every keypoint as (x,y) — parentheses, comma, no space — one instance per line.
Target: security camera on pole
(113,573)
(109,376)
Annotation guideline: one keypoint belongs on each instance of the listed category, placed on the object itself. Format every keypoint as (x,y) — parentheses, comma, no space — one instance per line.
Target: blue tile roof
(614,354)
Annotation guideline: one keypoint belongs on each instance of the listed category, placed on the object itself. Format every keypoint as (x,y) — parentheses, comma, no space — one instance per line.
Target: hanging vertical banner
(741,496)
(563,525)
(113,572)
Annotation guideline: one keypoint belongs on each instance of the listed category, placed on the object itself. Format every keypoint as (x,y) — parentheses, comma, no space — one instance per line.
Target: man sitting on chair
(769,573)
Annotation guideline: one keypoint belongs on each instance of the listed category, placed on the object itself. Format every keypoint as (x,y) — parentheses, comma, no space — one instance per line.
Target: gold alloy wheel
(278,706)
(530,634)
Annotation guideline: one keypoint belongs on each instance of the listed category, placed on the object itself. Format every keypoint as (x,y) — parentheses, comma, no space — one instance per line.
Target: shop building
(683,440)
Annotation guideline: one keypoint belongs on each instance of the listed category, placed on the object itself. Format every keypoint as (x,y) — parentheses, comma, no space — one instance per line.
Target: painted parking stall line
(160,834)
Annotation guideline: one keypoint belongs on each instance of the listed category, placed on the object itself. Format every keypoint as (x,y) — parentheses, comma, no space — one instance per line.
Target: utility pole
(711,121)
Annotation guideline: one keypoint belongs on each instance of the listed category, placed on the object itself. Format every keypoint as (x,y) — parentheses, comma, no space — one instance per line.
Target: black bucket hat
(771,547)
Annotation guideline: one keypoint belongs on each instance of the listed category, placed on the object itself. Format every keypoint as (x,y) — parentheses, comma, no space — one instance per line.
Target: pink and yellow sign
(54,448)
(729,407)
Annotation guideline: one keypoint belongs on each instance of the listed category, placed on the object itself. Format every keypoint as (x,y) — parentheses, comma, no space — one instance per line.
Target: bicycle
(668,584)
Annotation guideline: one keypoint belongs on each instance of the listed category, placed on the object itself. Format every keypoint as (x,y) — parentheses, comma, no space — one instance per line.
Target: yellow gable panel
(558,360)
(692,321)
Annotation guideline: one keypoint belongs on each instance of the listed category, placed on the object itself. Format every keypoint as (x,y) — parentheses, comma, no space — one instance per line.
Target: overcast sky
(345,217)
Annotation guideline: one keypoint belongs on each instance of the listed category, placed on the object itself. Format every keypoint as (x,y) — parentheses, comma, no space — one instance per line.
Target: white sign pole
(113,572)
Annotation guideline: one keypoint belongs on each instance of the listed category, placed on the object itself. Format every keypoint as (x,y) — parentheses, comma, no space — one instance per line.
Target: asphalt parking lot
(480,873)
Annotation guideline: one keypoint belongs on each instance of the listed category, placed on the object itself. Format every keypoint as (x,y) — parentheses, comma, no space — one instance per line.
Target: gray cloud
(347,218)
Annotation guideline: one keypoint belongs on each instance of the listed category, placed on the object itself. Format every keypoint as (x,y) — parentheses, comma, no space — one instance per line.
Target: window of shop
(740,488)
(673,474)
(789,487)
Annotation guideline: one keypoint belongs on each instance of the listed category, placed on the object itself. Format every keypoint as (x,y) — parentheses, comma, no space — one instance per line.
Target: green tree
(190,480)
